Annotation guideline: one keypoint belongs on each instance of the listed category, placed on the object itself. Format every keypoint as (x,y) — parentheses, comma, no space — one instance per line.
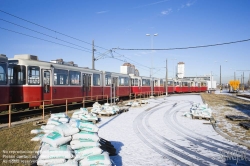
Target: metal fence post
(83,102)
(107,99)
(66,106)
(43,109)
(9,115)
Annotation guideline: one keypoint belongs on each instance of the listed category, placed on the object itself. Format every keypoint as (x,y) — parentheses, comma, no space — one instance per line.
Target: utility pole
(220,78)
(166,77)
(93,55)
(243,82)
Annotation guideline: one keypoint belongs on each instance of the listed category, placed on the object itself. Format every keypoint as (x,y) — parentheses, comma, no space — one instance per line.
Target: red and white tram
(4,87)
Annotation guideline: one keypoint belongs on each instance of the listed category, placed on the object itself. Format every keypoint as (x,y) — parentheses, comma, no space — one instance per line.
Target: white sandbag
(84,152)
(63,151)
(77,144)
(50,161)
(91,116)
(53,122)
(96,105)
(68,163)
(96,110)
(84,125)
(87,135)
(81,111)
(101,159)
(82,117)
(55,139)
(47,131)
(38,137)
(66,129)
(48,127)
(36,131)
(58,115)
(64,120)
(75,116)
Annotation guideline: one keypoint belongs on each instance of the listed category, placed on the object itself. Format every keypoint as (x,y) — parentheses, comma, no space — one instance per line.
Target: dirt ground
(223,105)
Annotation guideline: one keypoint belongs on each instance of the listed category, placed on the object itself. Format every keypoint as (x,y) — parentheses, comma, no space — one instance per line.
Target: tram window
(121,81)
(60,77)
(33,75)
(156,83)
(3,73)
(96,80)
(161,83)
(184,84)
(145,82)
(136,82)
(107,80)
(46,82)
(126,81)
(74,77)
(17,75)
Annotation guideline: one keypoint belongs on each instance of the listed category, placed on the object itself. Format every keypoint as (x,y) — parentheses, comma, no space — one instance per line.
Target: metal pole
(220,78)
(243,82)
(43,109)
(93,55)
(166,77)
(9,115)
(66,106)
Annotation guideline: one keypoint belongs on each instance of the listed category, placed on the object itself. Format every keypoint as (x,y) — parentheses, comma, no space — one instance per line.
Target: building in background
(180,69)
(128,68)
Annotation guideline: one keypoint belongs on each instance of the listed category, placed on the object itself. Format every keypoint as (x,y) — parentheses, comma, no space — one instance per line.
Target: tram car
(31,81)
(4,86)
(116,85)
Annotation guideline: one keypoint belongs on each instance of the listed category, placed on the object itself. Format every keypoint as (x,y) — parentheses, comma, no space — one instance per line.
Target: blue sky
(124,24)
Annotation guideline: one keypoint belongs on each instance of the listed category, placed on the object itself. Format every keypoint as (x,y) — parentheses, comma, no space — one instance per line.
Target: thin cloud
(150,4)
(166,12)
(102,12)
(188,4)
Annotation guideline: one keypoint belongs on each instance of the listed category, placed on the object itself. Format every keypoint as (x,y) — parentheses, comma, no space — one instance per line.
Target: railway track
(243,95)
(206,142)
(179,154)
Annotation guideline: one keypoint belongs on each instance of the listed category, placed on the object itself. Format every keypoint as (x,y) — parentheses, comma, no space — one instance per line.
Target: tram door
(114,88)
(46,90)
(86,84)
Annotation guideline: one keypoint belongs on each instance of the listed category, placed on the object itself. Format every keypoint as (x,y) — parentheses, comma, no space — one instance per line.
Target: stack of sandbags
(56,145)
(200,110)
(105,109)
(72,143)
(96,108)
(132,104)
(83,114)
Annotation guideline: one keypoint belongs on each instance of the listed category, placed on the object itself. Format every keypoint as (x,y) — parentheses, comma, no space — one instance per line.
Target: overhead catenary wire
(182,48)
(60,34)
(42,39)
(50,29)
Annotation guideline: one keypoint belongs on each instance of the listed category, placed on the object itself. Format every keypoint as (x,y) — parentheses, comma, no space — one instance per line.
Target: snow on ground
(162,136)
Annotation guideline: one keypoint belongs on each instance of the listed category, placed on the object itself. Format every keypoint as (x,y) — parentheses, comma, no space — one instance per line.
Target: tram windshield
(3,74)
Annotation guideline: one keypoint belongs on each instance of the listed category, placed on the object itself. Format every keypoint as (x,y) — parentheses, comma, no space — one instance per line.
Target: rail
(83,99)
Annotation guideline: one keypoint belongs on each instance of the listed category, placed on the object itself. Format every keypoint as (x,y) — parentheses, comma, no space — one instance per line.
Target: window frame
(39,75)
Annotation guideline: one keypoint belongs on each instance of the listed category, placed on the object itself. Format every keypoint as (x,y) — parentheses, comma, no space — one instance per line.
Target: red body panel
(123,91)
(106,91)
(192,89)
(135,90)
(178,89)
(197,89)
(203,89)
(4,97)
(159,90)
(171,89)
(185,89)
